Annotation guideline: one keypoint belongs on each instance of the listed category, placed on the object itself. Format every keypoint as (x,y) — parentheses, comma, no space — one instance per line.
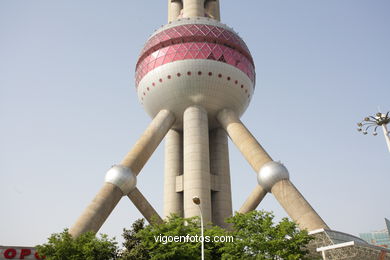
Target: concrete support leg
(250,148)
(253,200)
(150,139)
(173,201)
(98,211)
(193,8)
(196,162)
(219,166)
(243,139)
(108,197)
(144,206)
(296,206)
(285,192)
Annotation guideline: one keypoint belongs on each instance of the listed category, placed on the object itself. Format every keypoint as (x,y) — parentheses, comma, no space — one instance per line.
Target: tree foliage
(255,235)
(61,246)
(148,242)
(134,249)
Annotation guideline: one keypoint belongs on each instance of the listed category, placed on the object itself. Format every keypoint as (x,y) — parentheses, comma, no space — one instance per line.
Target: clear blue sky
(68,107)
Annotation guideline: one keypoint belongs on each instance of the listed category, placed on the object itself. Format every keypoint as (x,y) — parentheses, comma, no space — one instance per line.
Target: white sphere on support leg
(271,173)
(122,177)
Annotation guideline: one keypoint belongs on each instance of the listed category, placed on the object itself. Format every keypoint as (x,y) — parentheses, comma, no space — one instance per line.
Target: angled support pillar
(254,199)
(98,210)
(296,206)
(272,176)
(250,148)
(121,179)
(143,205)
(253,152)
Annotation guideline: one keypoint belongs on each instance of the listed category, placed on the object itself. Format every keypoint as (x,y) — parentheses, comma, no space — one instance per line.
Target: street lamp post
(196,201)
(379,120)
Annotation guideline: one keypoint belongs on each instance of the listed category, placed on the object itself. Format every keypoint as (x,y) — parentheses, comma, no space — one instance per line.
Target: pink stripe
(195,33)
(194,50)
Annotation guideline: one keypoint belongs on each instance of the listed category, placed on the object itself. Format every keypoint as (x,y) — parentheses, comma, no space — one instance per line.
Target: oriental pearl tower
(195,78)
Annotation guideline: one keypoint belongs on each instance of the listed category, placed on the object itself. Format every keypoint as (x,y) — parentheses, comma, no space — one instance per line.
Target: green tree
(61,246)
(256,236)
(150,239)
(134,249)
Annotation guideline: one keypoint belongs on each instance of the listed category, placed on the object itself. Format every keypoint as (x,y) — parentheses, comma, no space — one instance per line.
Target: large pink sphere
(195,61)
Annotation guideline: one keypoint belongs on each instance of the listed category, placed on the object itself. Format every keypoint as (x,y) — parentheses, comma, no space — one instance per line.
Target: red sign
(17,252)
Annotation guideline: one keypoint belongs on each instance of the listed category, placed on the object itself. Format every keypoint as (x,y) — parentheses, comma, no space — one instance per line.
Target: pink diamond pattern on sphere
(195,51)
(195,41)
(191,30)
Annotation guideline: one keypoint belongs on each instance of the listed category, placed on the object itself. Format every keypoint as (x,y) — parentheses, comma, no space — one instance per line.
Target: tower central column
(193,8)
(221,196)
(173,197)
(196,162)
